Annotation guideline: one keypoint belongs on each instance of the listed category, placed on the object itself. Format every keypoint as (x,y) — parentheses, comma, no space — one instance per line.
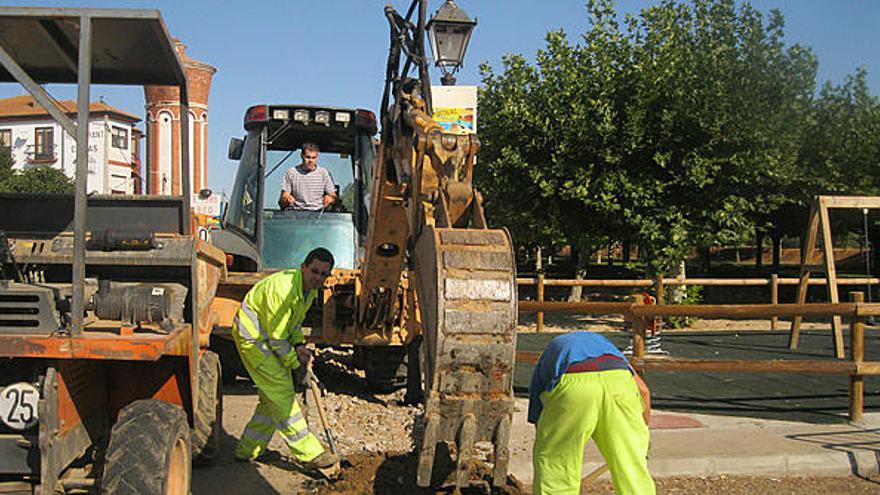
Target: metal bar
(424,76)
(37,92)
(58,40)
(32,12)
(185,165)
(84,81)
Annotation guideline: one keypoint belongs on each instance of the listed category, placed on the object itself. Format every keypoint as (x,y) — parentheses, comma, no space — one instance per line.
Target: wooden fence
(540,305)
(855,366)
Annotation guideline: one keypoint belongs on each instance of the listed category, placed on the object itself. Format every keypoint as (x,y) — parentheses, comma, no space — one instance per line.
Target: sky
(333,52)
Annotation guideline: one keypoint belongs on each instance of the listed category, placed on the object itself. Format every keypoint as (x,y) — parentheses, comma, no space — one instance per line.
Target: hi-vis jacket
(269,322)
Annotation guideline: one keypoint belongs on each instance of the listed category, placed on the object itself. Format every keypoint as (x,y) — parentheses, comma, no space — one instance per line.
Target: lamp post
(449,32)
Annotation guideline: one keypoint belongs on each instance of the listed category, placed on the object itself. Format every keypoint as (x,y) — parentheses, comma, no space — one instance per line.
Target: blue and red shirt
(561,353)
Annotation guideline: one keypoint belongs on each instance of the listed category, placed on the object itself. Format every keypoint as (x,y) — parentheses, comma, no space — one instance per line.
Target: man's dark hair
(321,255)
(309,146)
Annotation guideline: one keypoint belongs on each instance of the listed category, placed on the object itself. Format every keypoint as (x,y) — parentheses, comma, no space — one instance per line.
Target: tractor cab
(257,233)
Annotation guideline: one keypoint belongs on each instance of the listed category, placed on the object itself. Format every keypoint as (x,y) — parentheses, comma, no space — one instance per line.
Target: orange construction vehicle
(105,381)
(420,275)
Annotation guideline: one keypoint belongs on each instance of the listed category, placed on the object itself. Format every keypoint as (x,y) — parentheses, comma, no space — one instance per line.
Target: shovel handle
(313,384)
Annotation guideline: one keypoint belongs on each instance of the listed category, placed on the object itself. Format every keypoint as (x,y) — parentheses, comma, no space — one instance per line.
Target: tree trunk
(707,260)
(777,250)
(627,245)
(678,293)
(582,253)
(759,249)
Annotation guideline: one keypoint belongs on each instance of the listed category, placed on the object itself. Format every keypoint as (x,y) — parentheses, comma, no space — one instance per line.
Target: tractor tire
(208,417)
(149,451)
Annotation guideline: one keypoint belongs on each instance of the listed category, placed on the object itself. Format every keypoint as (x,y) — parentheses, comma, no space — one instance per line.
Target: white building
(33,138)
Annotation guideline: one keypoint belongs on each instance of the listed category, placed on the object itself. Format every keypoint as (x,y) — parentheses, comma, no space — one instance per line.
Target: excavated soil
(393,474)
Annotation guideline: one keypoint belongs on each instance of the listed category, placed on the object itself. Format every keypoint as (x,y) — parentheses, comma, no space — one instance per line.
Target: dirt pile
(394,473)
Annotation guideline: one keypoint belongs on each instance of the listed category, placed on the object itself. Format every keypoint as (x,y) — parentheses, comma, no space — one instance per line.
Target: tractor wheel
(208,418)
(149,451)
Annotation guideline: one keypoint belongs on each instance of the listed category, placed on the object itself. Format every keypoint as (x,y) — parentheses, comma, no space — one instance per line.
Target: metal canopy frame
(85,46)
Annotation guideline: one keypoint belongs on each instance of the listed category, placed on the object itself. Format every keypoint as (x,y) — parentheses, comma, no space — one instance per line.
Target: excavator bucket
(467,288)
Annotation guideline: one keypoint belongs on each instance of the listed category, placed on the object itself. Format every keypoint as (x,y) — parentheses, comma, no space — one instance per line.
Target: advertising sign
(455,107)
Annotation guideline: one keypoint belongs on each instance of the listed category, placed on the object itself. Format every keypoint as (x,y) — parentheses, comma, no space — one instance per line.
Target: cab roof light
(322,117)
(343,117)
(281,114)
(258,113)
(300,115)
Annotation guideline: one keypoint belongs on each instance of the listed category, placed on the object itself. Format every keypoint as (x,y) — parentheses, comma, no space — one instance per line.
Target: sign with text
(455,107)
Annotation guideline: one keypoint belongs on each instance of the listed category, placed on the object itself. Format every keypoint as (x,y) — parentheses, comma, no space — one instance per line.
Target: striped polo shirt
(308,187)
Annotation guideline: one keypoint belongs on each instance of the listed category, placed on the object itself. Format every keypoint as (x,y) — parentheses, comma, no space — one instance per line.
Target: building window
(120,138)
(135,148)
(44,148)
(6,142)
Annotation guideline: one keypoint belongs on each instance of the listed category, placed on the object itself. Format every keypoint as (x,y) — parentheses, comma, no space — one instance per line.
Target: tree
(37,179)
(675,130)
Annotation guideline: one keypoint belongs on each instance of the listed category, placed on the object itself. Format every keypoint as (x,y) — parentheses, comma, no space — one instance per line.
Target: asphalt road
(784,396)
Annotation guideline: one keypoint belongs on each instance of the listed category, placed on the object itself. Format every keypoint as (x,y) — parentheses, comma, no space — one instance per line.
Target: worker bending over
(582,388)
(268,335)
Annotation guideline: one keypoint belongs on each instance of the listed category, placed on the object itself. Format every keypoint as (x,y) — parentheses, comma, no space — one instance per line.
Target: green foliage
(693,295)
(347,198)
(689,125)
(37,179)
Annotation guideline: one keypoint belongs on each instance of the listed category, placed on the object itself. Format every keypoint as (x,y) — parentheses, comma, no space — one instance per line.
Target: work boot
(325,460)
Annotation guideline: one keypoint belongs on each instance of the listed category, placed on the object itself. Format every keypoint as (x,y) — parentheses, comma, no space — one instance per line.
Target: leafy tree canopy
(689,125)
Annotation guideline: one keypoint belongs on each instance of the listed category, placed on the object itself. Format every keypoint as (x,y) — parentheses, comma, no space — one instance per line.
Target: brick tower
(163,129)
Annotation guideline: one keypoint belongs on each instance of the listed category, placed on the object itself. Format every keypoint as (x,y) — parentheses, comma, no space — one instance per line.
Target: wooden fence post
(774,298)
(658,287)
(857,351)
(638,340)
(540,300)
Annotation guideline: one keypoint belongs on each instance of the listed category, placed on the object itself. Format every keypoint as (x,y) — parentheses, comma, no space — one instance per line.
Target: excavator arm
(427,230)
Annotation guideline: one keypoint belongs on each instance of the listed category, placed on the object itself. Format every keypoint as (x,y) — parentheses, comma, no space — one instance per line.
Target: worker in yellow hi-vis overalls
(269,339)
(583,387)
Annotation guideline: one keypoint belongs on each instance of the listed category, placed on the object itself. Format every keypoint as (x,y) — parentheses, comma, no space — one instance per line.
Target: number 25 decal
(18,405)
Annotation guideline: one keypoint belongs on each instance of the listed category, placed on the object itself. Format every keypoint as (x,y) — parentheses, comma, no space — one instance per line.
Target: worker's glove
(301,357)
(291,361)
(300,379)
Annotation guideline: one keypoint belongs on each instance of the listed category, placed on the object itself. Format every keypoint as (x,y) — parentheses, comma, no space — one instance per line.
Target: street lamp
(449,31)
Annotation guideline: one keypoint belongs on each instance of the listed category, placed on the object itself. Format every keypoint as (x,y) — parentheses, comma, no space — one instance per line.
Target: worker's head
(316,268)
(310,155)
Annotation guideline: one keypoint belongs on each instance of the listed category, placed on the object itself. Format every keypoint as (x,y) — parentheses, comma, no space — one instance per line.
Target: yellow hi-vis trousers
(605,406)
(276,410)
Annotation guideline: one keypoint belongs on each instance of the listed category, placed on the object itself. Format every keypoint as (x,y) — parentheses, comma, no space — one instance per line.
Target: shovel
(333,471)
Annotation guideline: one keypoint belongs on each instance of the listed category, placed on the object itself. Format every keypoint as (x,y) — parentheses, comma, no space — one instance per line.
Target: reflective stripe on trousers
(276,410)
